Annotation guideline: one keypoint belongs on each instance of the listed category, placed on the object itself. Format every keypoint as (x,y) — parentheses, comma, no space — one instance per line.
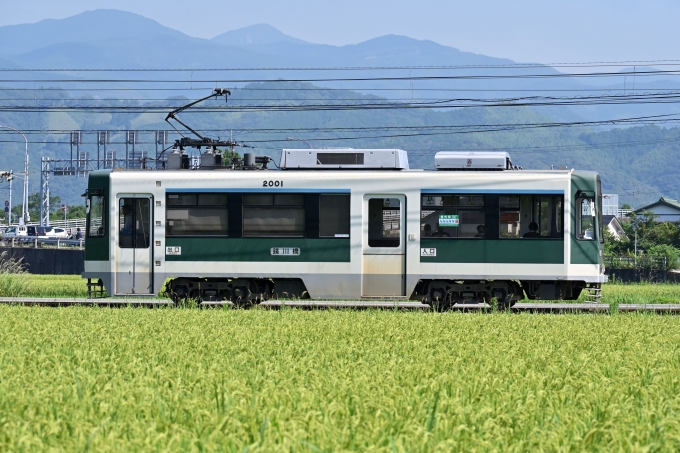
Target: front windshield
(586,223)
(96,216)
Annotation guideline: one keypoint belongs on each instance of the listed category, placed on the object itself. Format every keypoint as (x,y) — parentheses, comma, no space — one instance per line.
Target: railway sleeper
(240,291)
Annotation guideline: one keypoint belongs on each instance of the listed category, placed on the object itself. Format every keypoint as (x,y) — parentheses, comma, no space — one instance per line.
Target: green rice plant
(13,277)
(654,291)
(70,286)
(83,379)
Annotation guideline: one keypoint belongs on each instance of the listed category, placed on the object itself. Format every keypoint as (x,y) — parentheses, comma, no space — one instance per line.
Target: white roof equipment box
(463,160)
(344,158)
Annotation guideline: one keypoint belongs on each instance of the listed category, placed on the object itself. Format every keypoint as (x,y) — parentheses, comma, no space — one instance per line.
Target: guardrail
(36,242)
(631,262)
(68,223)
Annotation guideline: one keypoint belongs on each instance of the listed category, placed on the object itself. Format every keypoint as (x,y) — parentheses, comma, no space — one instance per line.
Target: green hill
(639,163)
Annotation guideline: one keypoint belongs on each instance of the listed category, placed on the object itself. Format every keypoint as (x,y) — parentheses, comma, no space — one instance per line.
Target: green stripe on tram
(259,249)
(520,251)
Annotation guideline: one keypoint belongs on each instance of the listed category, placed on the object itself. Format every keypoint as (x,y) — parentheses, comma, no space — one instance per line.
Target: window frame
(349,213)
(134,232)
(303,207)
(103,216)
(535,216)
(389,243)
(458,207)
(169,207)
(578,225)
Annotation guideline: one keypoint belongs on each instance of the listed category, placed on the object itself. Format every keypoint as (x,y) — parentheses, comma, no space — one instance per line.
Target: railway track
(354,304)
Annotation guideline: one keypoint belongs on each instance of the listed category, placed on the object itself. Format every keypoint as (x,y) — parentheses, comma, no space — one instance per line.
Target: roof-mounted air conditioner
(344,158)
(462,160)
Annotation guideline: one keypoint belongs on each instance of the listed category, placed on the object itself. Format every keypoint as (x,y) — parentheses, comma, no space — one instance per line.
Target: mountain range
(113,40)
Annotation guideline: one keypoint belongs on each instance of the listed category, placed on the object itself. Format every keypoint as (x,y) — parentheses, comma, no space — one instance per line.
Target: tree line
(653,238)
(73,211)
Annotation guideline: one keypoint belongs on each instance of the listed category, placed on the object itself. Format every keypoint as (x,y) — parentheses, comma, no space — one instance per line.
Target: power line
(419,131)
(337,106)
(248,88)
(650,119)
(364,68)
(618,97)
(363,79)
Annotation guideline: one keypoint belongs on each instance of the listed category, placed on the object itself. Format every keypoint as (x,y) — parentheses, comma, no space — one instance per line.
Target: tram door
(133,249)
(384,250)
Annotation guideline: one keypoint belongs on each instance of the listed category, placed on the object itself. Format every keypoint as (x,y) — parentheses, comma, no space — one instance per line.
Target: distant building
(613,225)
(610,203)
(666,210)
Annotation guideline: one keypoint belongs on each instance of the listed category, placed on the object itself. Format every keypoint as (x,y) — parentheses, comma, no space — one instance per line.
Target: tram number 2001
(272,183)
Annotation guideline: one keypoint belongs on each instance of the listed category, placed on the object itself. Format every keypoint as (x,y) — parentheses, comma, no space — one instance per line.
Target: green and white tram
(348,224)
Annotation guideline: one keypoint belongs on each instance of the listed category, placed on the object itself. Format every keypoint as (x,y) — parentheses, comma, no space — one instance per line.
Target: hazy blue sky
(524,30)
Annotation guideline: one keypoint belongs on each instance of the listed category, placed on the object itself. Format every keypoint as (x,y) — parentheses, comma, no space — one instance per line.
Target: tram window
(289,199)
(258,199)
(454,216)
(134,222)
(519,213)
(599,208)
(585,223)
(197,222)
(182,199)
(334,217)
(202,214)
(384,219)
(509,216)
(273,215)
(96,217)
(212,199)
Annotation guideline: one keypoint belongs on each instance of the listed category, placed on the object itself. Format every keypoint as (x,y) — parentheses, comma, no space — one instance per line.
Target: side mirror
(87,206)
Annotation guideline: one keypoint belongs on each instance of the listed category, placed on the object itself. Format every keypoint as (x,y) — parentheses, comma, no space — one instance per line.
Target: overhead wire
(420,131)
(369,104)
(649,119)
(667,62)
(637,96)
(287,105)
(557,75)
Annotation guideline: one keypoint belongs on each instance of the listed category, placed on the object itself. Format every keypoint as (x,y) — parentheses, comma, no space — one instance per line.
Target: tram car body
(348,224)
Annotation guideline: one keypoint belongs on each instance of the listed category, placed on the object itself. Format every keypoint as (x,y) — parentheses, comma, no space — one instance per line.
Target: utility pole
(25,217)
(130,139)
(161,139)
(8,175)
(102,139)
(10,202)
(635,222)
(76,139)
(45,169)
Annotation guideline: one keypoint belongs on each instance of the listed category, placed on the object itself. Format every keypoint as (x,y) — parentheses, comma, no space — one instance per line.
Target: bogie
(241,291)
(444,294)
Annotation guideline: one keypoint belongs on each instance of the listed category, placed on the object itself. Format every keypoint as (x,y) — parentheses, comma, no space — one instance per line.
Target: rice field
(55,286)
(94,379)
(640,293)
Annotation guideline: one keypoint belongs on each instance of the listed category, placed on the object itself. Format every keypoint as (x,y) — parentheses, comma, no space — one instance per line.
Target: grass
(56,286)
(89,379)
(13,277)
(641,293)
